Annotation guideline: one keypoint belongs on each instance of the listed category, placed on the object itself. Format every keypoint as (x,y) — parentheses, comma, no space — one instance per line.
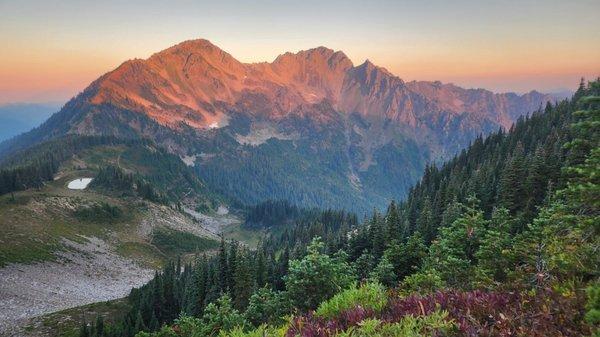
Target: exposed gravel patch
(163,216)
(86,273)
(259,134)
(213,224)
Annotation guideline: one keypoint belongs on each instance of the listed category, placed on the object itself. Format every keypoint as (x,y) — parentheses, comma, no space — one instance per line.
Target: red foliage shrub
(476,313)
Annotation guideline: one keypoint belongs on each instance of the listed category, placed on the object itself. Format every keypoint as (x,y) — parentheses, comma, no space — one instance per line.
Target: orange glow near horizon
(52,51)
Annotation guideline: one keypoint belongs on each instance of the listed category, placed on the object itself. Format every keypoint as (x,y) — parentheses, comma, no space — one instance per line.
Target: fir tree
(392,220)
(243,281)
(223,267)
(83,330)
(453,254)
(316,277)
(494,253)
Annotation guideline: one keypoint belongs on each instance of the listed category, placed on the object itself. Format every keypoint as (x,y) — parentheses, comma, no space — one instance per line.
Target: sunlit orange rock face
(199,84)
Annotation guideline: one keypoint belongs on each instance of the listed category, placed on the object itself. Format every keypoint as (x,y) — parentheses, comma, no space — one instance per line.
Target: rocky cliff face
(197,83)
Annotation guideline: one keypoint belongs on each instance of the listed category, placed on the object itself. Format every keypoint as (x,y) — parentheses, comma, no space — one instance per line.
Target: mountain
(16,118)
(309,127)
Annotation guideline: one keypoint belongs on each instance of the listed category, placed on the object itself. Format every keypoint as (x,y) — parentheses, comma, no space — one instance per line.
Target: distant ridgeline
(501,240)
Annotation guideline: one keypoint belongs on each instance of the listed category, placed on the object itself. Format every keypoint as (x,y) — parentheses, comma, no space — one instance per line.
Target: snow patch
(79,184)
(222,210)
(189,160)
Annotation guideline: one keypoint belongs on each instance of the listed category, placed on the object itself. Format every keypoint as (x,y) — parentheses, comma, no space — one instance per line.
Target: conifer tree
(425,220)
(406,258)
(377,235)
(453,253)
(243,281)
(364,265)
(392,219)
(232,263)
(316,277)
(223,267)
(99,327)
(494,253)
(384,273)
(573,218)
(83,330)
(511,189)
(261,269)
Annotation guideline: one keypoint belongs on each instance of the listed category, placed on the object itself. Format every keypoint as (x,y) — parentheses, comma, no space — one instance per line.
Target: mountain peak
(368,63)
(316,55)
(191,46)
(316,73)
(369,67)
(321,50)
(183,52)
(198,83)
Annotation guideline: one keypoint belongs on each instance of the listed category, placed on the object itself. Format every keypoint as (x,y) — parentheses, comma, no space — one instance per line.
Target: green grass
(145,253)
(250,237)
(102,155)
(66,323)
(21,239)
(34,223)
(369,296)
(26,251)
(174,243)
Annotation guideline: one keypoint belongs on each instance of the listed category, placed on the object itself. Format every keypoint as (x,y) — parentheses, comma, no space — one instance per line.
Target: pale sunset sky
(51,50)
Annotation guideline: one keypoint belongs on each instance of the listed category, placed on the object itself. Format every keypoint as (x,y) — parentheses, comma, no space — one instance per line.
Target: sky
(51,50)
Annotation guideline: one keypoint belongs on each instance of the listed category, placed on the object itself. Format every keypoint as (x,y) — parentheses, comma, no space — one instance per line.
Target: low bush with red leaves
(474,313)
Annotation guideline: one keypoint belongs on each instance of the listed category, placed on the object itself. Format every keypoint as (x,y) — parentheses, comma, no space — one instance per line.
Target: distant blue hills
(16,118)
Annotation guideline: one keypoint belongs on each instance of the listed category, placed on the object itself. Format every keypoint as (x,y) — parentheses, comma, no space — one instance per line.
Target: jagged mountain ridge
(360,132)
(198,83)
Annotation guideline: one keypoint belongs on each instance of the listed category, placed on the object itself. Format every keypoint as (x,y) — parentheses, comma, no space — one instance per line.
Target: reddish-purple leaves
(475,313)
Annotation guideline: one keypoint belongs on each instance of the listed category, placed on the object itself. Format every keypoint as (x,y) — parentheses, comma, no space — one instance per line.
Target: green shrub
(369,296)
(267,306)
(435,324)
(592,316)
(423,282)
(102,212)
(220,316)
(261,331)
